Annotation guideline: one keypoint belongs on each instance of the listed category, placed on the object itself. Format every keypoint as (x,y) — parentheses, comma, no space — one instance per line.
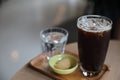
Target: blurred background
(22,20)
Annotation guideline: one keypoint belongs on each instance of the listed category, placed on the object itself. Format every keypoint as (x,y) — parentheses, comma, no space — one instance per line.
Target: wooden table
(112,60)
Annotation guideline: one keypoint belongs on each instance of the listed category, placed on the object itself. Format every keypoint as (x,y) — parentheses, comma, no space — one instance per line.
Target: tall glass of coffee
(93,39)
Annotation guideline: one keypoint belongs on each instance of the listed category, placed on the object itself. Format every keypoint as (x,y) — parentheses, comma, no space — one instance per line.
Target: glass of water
(53,41)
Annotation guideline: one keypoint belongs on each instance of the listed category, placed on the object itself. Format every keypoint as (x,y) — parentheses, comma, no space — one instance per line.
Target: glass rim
(53,28)
(96,16)
(109,22)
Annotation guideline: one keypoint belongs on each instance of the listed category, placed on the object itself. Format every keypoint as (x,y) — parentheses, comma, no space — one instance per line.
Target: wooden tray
(41,63)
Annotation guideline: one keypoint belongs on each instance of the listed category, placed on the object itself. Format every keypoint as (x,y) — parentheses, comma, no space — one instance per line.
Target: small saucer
(56,58)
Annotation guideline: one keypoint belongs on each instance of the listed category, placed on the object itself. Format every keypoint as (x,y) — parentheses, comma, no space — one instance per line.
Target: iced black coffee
(93,39)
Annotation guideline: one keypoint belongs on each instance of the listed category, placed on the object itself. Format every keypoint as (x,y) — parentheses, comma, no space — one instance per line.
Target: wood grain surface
(112,60)
(41,63)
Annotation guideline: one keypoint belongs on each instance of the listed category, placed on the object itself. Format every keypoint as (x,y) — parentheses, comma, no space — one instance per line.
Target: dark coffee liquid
(92,48)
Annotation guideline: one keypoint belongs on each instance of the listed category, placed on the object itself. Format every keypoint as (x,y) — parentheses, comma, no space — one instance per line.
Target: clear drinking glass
(53,41)
(93,39)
